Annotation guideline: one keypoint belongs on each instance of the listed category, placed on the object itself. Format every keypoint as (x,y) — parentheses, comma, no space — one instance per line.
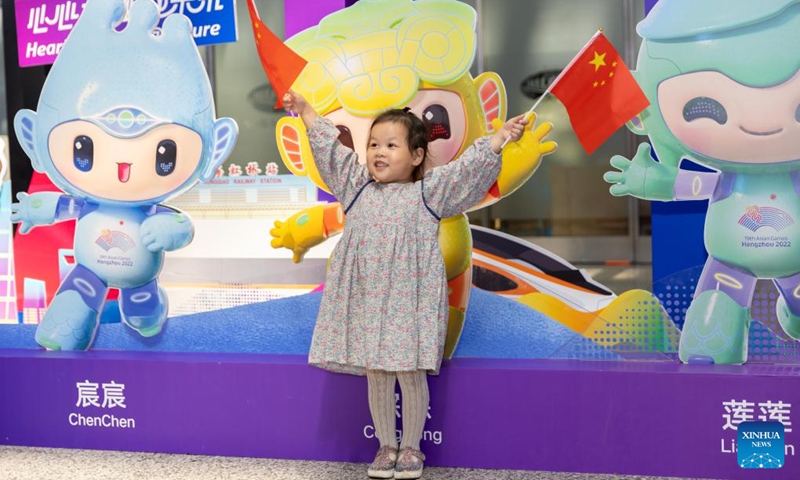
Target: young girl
(384,311)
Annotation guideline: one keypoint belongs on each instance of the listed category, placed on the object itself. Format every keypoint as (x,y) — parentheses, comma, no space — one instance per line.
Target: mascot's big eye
(704,107)
(166,153)
(345,136)
(797,114)
(437,121)
(83,153)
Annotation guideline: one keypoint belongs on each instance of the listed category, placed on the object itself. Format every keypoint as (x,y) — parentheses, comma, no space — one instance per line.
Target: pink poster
(302,15)
(42,27)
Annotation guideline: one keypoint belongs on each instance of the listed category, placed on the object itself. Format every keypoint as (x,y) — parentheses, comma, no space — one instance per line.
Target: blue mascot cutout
(125,121)
(724,87)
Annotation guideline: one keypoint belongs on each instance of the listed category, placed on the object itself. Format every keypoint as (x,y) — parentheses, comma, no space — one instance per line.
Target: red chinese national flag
(281,64)
(599,92)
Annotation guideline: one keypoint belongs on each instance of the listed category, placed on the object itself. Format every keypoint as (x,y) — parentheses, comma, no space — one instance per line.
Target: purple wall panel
(603,417)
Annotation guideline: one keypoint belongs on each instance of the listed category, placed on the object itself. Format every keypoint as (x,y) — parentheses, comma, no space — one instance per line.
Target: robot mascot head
(382,54)
(126,117)
(723,83)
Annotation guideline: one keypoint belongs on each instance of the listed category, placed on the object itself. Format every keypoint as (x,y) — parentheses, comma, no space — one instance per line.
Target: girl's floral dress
(385,302)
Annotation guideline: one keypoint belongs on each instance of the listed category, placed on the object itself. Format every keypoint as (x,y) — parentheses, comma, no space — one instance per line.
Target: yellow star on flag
(599,61)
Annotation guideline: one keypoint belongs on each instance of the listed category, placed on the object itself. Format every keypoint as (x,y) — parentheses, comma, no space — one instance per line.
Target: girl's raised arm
(453,188)
(337,165)
(457,186)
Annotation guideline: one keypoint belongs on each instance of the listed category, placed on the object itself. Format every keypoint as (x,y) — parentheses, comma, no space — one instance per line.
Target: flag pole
(553,83)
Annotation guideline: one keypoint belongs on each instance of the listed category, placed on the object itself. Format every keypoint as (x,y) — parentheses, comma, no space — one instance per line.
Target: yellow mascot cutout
(382,54)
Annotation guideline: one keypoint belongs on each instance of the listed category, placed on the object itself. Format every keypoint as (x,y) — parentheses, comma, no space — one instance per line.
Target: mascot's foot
(68,324)
(715,330)
(789,321)
(145,315)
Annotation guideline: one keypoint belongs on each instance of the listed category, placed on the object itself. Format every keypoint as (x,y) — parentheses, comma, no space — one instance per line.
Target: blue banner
(213,21)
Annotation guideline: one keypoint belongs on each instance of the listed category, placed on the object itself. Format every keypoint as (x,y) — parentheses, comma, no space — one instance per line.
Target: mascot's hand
(522,158)
(301,232)
(643,177)
(166,231)
(34,210)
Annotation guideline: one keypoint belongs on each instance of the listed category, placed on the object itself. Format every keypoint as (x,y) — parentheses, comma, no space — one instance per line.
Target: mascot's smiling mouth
(123,172)
(760,134)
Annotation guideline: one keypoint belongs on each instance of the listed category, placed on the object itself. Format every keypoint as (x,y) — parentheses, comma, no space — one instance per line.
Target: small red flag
(599,92)
(280,63)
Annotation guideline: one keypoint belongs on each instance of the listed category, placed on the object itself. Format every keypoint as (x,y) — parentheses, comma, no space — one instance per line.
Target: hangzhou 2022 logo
(760,445)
